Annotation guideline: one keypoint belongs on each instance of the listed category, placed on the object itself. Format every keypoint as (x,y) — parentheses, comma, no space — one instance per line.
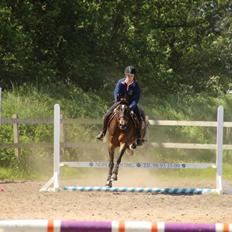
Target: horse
(122,134)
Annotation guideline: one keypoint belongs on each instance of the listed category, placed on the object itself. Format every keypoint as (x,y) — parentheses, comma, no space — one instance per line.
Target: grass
(5,173)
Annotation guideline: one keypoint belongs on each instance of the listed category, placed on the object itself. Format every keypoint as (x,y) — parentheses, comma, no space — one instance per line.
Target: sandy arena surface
(22,200)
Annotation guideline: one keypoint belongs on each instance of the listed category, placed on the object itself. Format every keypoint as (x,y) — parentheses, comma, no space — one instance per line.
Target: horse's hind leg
(111,166)
(116,167)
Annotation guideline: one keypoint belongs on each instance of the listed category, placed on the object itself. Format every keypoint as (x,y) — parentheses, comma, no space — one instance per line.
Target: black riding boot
(101,135)
(139,139)
(108,114)
(138,129)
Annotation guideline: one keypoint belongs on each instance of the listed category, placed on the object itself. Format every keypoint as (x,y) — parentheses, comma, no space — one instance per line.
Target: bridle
(122,116)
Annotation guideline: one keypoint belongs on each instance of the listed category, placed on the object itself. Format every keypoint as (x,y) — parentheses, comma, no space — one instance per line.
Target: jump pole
(0,105)
(108,226)
(1,189)
(56,146)
(219,151)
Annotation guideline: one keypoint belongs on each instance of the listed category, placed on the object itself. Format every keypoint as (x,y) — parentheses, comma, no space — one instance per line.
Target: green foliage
(73,52)
(177,46)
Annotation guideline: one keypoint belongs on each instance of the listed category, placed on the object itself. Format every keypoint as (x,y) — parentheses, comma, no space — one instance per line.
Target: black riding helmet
(130,70)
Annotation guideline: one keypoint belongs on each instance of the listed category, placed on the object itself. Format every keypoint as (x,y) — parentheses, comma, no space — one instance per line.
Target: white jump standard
(53,183)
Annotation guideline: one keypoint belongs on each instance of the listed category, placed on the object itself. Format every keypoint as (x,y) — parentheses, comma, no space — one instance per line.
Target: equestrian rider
(127,87)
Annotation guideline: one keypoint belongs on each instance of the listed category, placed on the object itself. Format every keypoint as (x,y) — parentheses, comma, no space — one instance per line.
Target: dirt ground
(22,200)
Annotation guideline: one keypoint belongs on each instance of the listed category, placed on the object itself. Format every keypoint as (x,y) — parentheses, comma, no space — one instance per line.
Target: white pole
(0,105)
(56,146)
(219,160)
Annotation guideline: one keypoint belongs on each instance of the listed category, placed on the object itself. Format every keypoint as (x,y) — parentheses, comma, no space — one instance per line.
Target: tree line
(176,45)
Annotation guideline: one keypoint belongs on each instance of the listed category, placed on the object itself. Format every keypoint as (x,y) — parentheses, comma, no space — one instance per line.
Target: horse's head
(123,115)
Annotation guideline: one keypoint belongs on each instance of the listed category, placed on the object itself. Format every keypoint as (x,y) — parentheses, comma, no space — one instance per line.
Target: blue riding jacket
(132,92)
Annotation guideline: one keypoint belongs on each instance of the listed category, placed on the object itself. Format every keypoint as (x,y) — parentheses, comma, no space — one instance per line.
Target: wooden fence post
(16,134)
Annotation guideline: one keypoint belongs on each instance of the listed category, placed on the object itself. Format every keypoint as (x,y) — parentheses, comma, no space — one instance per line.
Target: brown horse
(122,134)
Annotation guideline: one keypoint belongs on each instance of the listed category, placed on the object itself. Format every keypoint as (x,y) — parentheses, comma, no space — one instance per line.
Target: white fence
(219,146)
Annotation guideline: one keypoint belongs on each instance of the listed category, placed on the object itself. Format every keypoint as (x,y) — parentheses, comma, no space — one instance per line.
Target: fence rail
(191,146)
(27,121)
(26,145)
(48,121)
(15,121)
(187,123)
(17,145)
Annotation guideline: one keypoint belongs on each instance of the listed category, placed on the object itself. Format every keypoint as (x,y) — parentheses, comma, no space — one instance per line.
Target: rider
(126,87)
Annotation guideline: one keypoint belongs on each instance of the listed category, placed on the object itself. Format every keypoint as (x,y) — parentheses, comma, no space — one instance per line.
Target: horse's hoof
(132,146)
(114,177)
(109,184)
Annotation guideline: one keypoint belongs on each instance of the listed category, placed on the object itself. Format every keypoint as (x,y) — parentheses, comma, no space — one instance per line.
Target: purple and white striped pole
(107,226)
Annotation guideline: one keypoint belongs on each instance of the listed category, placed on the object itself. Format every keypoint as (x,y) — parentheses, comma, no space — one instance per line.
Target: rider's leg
(107,115)
(142,114)
(138,129)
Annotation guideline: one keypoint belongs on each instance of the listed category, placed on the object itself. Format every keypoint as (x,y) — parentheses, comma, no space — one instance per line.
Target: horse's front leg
(123,148)
(111,166)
